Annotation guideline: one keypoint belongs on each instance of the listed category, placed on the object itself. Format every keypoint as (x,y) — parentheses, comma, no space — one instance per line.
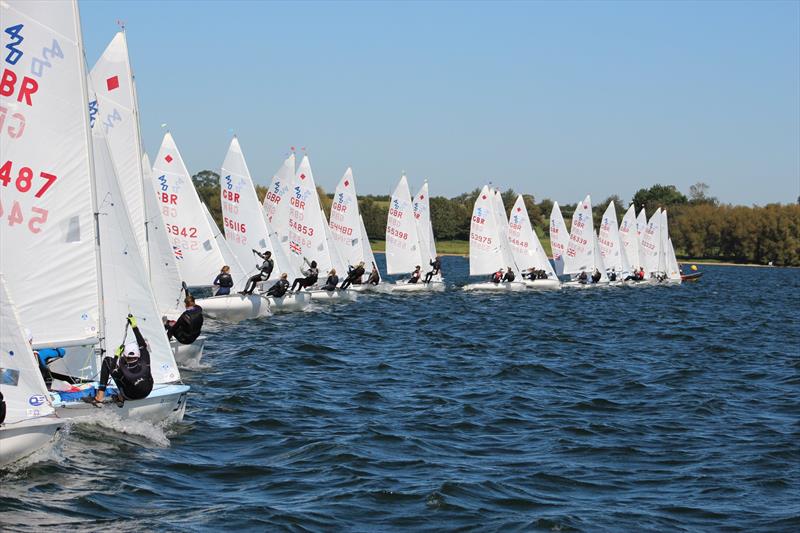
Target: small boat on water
(527,250)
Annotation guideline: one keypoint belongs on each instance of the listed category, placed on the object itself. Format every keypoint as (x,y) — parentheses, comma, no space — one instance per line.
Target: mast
(101,326)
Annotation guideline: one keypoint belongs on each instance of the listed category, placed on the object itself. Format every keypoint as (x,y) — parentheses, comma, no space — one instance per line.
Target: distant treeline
(700,227)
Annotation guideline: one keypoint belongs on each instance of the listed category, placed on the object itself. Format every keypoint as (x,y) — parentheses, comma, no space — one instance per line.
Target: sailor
(582,277)
(374,276)
(265,271)
(437,266)
(223,282)
(497,277)
(130,369)
(332,281)
(612,276)
(280,287)
(2,408)
(44,357)
(311,276)
(596,276)
(415,275)
(188,326)
(509,275)
(354,275)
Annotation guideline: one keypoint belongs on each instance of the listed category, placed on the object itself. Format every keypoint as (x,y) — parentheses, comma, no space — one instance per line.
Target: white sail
(165,279)
(126,287)
(559,238)
(336,260)
(344,221)
(651,243)
(525,246)
(239,272)
(422,214)
(369,257)
(21,382)
(307,238)
(276,205)
(609,241)
(579,256)
(403,252)
(486,250)
(116,98)
(599,265)
(641,225)
(629,237)
(662,250)
(242,214)
(198,255)
(673,270)
(49,256)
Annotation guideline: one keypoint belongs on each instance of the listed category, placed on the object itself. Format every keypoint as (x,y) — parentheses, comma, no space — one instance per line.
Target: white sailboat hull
(235,307)
(420,286)
(587,285)
(337,295)
(166,401)
(25,437)
(543,284)
(188,354)
(496,287)
(289,302)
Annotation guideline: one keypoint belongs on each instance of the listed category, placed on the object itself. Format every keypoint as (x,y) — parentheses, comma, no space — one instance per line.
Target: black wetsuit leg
(108,365)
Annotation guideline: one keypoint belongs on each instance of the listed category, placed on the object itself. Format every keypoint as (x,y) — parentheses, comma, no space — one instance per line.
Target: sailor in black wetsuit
(437,266)
(331,282)
(130,369)
(374,276)
(596,276)
(312,275)
(188,326)
(223,282)
(354,275)
(582,277)
(280,287)
(509,276)
(265,271)
(415,275)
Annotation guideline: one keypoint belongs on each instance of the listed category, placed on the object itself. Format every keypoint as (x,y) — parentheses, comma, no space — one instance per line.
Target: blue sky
(553,99)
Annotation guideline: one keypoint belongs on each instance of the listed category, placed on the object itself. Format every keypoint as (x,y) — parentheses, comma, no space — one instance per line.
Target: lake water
(650,408)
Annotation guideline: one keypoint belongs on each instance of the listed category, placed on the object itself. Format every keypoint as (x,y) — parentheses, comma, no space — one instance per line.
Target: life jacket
(225,280)
(135,382)
(312,275)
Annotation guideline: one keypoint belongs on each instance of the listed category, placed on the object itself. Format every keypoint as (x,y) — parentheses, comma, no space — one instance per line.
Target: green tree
(658,196)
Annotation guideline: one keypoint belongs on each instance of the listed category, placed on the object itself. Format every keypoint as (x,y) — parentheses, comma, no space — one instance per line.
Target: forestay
(164,276)
(403,252)
(306,222)
(126,288)
(559,238)
(525,246)
(579,256)
(422,214)
(344,221)
(47,229)
(629,238)
(21,382)
(116,99)
(242,215)
(199,257)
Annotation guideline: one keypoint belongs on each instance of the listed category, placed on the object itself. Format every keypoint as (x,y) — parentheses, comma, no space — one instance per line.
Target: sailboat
(403,247)
(347,230)
(629,237)
(117,114)
(30,421)
(246,230)
(489,249)
(651,246)
(671,272)
(582,254)
(610,246)
(527,250)
(559,238)
(308,234)
(77,213)
(427,242)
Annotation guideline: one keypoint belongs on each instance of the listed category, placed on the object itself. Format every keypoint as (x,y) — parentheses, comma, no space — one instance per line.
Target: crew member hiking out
(265,271)
(415,275)
(188,326)
(436,263)
(280,287)
(311,276)
(354,275)
(130,369)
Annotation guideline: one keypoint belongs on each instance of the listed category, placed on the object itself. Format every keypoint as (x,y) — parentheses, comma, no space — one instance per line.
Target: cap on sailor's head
(131,350)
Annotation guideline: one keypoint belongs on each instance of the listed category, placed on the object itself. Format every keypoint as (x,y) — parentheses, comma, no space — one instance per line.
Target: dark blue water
(661,408)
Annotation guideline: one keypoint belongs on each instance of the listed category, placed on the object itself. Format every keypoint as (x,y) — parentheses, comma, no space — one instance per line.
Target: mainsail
(579,256)
(403,252)
(559,238)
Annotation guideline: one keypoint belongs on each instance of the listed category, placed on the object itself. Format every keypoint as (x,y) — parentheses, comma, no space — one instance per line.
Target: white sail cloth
(403,252)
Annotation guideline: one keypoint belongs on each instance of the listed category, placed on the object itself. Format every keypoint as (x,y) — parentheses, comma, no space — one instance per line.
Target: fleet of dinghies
(128,241)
